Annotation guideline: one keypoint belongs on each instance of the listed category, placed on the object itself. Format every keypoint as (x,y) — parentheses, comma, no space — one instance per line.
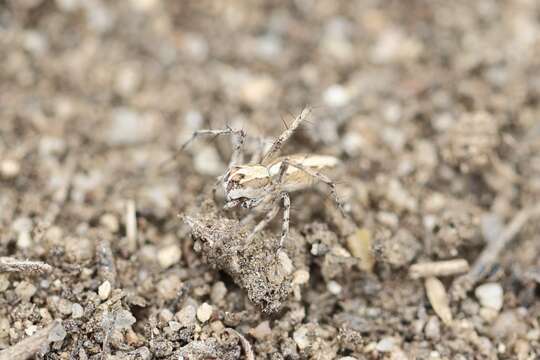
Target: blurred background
(433,106)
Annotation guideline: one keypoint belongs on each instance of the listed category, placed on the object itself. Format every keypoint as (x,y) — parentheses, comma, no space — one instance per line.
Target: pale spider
(265,184)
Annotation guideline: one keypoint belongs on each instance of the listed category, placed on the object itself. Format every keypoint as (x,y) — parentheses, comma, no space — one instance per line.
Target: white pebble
(300,338)
(169,255)
(77,311)
(334,287)
(336,95)
(204,312)
(187,315)
(25,290)
(58,333)
(104,290)
(300,277)
(124,319)
(30,330)
(490,295)
(9,168)
(385,345)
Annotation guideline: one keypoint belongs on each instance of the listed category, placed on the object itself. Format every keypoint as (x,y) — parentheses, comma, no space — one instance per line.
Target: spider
(265,184)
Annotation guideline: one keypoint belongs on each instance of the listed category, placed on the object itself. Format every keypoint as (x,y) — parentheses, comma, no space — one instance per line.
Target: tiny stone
(490,295)
(124,319)
(217,326)
(533,335)
(335,96)
(169,287)
(110,221)
(508,324)
(385,345)
(25,290)
(77,311)
(301,338)
(285,262)
(64,306)
(166,315)
(257,90)
(219,290)
(433,328)
(9,168)
(204,312)
(58,333)
(169,255)
(104,290)
(261,331)
(4,327)
(175,325)
(334,287)
(186,316)
(30,330)
(300,277)
(488,314)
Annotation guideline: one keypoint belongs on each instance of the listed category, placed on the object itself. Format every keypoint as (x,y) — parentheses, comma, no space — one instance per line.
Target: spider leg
(286,218)
(282,139)
(264,222)
(238,139)
(317,175)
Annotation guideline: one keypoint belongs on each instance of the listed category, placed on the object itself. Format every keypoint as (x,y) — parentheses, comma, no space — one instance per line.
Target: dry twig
(487,259)
(438,268)
(9,265)
(39,341)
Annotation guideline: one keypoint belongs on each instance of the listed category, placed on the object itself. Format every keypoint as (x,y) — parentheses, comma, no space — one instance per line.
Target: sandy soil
(111,246)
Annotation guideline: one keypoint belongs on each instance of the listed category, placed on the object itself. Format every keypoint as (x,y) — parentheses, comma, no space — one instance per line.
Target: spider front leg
(237,141)
(282,139)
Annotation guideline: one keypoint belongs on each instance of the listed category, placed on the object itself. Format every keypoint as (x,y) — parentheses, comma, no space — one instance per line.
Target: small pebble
(110,221)
(65,306)
(300,277)
(204,312)
(104,290)
(433,328)
(386,344)
(261,331)
(257,90)
(166,315)
(77,311)
(9,168)
(30,330)
(175,325)
(187,315)
(490,295)
(333,287)
(169,255)
(169,287)
(58,333)
(4,327)
(335,96)
(124,319)
(25,290)
(219,290)
(286,262)
(300,337)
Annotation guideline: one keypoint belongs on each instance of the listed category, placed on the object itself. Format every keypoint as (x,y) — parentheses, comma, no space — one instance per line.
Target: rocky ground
(112,248)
